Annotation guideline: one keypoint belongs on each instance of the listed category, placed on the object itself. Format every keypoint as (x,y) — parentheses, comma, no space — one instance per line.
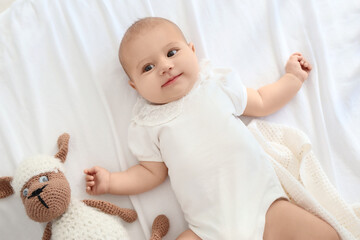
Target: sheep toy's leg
(160,227)
(47,232)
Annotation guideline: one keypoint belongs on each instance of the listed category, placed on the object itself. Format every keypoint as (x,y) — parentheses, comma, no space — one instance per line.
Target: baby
(186,126)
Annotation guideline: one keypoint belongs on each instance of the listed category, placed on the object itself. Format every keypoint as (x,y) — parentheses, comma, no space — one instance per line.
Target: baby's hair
(139,26)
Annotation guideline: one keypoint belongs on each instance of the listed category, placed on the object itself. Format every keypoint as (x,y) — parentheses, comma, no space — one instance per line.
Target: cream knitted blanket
(303,179)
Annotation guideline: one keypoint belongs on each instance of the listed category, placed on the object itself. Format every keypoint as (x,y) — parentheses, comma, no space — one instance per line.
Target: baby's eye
(148,67)
(43,179)
(171,53)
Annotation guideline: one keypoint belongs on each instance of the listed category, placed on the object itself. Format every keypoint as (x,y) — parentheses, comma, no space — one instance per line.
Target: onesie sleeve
(142,145)
(234,88)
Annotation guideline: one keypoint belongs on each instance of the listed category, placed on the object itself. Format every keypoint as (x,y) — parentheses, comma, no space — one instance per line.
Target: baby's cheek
(150,93)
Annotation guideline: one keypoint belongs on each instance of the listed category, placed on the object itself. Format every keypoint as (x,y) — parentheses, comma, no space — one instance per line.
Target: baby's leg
(285,220)
(188,235)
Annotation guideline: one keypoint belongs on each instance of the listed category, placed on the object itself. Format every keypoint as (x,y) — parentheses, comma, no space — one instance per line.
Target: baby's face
(162,67)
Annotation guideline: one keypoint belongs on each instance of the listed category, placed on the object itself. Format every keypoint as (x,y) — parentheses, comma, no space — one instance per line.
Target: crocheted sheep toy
(45,193)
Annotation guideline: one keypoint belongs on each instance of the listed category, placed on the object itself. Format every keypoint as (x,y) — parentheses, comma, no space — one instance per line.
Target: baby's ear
(191,46)
(6,189)
(132,84)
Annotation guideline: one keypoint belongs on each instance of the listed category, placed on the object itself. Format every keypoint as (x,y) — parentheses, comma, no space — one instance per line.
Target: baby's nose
(166,66)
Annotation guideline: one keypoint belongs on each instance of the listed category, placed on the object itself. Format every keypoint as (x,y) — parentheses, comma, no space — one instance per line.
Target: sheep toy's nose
(37,192)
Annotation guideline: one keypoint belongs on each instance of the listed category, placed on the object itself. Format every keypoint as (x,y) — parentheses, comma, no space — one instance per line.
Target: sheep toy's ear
(63,143)
(5,187)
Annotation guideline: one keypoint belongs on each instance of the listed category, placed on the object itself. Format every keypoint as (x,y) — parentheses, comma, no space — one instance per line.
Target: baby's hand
(298,66)
(97,180)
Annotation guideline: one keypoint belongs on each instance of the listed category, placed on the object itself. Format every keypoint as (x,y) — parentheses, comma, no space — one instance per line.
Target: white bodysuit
(218,171)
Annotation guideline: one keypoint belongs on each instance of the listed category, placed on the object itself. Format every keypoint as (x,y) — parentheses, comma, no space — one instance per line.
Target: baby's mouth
(171,80)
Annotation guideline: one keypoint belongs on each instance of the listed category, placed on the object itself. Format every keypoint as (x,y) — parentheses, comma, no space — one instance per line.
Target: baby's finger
(90,184)
(306,63)
(298,58)
(308,66)
(88,190)
(89,178)
(294,58)
(296,53)
(90,171)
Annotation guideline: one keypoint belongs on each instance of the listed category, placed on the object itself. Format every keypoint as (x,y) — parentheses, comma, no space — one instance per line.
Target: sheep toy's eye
(25,192)
(43,179)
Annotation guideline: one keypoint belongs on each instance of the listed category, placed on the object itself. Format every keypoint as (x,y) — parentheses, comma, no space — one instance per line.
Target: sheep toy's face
(46,196)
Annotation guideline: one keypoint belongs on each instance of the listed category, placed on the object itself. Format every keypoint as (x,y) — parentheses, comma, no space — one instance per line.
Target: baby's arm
(270,98)
(137,179)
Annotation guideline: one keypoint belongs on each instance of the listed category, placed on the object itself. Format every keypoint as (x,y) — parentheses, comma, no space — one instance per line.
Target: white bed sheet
(59,72)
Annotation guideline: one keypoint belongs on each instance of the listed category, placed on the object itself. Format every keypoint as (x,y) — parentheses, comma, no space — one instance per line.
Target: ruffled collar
(148,114)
